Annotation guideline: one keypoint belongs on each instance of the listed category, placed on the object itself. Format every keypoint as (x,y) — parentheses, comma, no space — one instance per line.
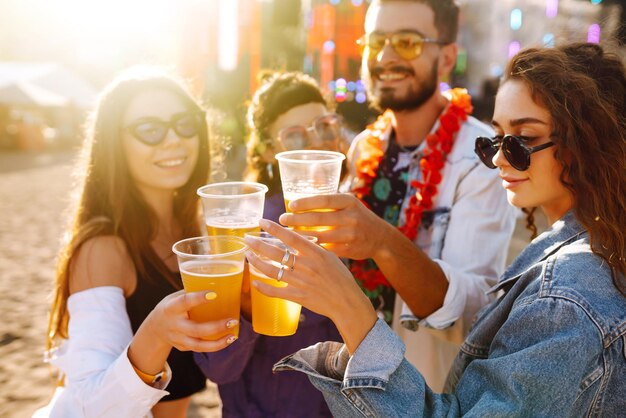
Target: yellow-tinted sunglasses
(408,45)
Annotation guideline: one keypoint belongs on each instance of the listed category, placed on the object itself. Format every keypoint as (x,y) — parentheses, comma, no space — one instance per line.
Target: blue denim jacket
(553,345)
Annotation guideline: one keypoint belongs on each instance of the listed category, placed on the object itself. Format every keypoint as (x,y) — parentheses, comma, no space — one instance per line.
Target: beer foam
(234,268)
(232,222)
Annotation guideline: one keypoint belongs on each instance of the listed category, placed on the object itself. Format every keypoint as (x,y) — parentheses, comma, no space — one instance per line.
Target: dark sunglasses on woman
(152,131)
(325,129)
(513,148)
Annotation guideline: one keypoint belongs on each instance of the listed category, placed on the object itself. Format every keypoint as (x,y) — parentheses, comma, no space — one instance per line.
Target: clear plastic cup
(306,173)
(215,264)
(232,208)
(275,317)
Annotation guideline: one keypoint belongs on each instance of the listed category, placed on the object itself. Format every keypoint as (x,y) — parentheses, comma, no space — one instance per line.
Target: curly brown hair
(584,89)
(279,93)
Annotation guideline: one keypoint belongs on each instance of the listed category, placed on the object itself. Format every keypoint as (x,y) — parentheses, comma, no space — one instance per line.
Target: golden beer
(231,225)
(223,277)
(272,316)
(308,228)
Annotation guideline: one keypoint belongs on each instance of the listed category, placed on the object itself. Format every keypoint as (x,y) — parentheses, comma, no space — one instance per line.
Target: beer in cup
(232,208)
(214,264)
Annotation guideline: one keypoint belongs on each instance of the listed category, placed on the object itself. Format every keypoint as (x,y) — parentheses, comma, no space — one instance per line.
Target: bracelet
(150,379)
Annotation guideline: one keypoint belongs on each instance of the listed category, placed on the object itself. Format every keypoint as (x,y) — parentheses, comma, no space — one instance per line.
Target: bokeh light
(514,48)
(552,8)
(593,34)
(329,47)
(516,19)
(548,40)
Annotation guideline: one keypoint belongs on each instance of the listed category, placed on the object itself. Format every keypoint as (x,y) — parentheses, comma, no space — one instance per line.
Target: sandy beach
(34,194)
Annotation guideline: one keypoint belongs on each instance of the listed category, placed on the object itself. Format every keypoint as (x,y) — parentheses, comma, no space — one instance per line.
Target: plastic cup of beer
(273,316)
(213,264)
(306,173)
(232,208)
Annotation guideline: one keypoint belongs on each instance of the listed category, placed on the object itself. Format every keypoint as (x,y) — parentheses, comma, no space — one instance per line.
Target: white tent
(24,93)
(43,84)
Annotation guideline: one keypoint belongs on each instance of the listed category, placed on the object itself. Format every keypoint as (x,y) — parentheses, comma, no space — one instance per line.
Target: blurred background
(55,55)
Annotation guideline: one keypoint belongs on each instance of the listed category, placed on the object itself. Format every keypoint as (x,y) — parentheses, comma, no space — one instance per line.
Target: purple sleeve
(274,206)
(227,365)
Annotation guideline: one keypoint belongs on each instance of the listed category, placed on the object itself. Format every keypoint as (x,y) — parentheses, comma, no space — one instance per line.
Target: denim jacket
(553,345)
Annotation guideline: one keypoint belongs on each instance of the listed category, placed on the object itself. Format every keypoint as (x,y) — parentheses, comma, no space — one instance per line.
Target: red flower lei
(438,146)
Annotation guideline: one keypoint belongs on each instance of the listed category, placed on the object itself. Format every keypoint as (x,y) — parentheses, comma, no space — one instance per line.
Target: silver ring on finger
(281,272)
(285,259)
(293,263)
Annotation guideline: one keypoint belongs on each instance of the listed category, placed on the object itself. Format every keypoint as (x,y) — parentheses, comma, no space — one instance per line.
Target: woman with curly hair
(553,343)
(287,112)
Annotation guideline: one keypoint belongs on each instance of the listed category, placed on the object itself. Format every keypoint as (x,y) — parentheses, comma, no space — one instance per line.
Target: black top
(187,378)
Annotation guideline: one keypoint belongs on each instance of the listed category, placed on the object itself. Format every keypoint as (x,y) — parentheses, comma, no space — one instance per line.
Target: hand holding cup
(319,281)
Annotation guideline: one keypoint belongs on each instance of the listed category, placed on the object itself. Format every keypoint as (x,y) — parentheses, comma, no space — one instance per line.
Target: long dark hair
(108,202)
(584,89)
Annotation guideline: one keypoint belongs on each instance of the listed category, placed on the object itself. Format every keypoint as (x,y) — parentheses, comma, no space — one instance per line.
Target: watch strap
(151,379)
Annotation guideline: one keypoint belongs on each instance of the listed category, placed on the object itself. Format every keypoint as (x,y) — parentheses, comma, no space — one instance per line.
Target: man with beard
(428,226)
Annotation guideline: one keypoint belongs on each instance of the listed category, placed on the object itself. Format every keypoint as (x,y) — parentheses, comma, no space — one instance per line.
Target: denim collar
(562,232)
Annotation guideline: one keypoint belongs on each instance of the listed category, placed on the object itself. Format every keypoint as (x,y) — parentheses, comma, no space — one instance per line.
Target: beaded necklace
(438,146)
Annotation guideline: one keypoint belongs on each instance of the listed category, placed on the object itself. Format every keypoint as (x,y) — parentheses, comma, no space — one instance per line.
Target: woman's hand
(319,281)
(170,324)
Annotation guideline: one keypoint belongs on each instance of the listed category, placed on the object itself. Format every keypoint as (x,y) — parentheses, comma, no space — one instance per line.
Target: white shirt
(99,379)
(469,239)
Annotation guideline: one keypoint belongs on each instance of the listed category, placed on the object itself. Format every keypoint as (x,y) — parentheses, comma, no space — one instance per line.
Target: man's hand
(355,231)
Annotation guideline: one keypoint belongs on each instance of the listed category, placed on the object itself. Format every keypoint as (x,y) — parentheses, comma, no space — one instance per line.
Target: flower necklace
(438,146)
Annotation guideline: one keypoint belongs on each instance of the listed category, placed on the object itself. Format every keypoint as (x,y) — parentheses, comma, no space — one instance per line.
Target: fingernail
(231,339)
(210,295)
(232,323)
(264,224)
(255,283)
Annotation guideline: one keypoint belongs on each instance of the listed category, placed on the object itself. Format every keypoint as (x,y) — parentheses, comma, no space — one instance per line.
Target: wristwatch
(151,379)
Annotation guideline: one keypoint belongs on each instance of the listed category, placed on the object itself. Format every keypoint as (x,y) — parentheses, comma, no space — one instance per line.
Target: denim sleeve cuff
(371,365)
(377,357)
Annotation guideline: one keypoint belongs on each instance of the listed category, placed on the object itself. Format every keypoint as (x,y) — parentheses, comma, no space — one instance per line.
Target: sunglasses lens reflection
(323,133)
(407,45)
(512,147)
(486,149)
(514,153)
(187,126)
(327,128)
(151,133)
(294,138)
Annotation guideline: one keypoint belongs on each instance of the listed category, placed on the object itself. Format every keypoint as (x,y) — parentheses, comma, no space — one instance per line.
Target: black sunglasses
(513,148)
(152,131)
(326,129)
